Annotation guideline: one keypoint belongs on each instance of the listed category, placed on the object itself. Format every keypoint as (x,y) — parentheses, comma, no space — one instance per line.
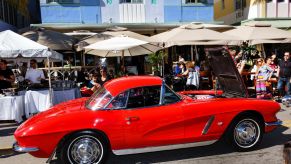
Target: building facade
(274,12)
(16,14)
(92,12)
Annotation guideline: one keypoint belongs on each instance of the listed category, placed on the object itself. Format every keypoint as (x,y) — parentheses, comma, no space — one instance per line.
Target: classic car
(138,114)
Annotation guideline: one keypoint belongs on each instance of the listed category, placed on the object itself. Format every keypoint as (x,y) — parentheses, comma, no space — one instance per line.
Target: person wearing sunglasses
(34,75)
(263,74)
(284,74)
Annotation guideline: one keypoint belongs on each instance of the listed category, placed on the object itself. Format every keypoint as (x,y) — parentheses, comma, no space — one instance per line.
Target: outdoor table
(38,101)
(12,108)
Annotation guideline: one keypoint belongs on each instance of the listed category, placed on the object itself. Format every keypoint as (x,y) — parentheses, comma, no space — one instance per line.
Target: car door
(153,120)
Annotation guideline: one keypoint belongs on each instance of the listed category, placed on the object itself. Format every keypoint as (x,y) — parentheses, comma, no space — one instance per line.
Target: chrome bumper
(277,123)
(18,148)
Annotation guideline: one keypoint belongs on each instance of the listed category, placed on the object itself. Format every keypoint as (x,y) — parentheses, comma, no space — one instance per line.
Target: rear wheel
(245,133)
(83,147)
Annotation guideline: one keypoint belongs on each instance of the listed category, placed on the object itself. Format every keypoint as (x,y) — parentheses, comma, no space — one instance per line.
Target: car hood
(225,71)
(55,111)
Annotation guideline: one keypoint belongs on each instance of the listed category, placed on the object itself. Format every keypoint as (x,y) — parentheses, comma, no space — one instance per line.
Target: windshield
(99,99)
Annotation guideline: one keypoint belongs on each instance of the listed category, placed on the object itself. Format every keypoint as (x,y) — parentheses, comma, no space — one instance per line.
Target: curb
(6,151)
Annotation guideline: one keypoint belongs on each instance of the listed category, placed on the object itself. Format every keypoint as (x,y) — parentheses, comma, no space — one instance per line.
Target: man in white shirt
(34,75)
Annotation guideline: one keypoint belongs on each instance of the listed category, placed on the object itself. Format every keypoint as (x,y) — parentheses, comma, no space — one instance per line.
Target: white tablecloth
(12,108)
(38,101)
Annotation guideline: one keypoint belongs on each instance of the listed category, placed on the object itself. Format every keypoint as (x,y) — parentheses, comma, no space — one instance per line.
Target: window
(170,96)
(190,1)
(63,1)
(109,2)
(154,2)
(195,1)
(99,99)
(144,96)
(222,4)
(130,1)
(119,102)
(240,4)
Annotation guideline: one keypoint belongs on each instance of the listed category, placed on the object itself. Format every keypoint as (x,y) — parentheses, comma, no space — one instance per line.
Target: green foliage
(247,48)
(156,59)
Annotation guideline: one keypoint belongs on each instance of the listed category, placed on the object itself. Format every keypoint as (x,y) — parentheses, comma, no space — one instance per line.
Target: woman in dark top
(104,77)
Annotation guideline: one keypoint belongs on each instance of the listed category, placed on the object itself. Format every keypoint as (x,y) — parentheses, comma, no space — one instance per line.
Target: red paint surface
(177,123)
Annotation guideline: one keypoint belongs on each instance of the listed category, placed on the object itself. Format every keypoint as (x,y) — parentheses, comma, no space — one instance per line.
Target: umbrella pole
(192,56)
(123,67)
(83,57)
(50,83)
(263,50)
(163,67)
(75,58)
(196,53)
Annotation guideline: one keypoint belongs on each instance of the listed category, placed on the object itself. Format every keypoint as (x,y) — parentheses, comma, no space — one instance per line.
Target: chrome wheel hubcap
(85,149)
(246,133)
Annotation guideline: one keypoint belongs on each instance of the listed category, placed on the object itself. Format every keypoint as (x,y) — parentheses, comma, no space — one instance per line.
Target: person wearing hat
(6,75)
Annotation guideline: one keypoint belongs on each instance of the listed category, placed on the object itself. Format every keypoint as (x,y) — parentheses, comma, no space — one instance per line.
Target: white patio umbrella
(189,34)
(118,31)
(90,40)
(259,33)
(110,33)
(52,39)
(121,46)
(13,45)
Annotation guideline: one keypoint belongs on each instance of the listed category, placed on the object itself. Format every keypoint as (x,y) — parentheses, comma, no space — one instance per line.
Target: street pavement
(270,151)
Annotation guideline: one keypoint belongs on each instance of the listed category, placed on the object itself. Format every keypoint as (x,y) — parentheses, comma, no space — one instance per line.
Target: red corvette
(142,114)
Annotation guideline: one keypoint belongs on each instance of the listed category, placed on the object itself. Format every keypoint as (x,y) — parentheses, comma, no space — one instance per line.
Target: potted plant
(156,60)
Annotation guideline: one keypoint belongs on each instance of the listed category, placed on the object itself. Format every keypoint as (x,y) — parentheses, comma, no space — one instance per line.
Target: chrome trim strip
(51,156)
(18,148)
(207,125)
(276,123)
(161,148)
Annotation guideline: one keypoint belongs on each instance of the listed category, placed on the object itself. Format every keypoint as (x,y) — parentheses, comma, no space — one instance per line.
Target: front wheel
(245,133)
(83,148)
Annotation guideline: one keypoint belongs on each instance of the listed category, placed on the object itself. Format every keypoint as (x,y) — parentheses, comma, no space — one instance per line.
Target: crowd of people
(95,81)
(269,76)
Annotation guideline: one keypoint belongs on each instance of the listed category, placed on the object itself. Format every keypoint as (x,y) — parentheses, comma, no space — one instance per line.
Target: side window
(119,101)
(144,96)
(170,97)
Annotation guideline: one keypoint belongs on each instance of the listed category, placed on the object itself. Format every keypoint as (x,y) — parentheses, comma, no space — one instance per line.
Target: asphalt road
(270,150)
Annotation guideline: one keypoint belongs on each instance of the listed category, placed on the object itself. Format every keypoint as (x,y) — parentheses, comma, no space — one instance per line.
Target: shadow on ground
(7,132)
(218,148)
(274,138)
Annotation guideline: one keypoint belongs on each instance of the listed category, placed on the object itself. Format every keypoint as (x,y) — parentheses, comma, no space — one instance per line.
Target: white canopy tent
(13,45)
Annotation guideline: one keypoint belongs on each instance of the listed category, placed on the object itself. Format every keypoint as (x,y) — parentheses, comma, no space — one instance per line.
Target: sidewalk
(6,140)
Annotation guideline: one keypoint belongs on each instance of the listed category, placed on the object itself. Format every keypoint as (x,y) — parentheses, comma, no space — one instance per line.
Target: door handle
(132,119)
